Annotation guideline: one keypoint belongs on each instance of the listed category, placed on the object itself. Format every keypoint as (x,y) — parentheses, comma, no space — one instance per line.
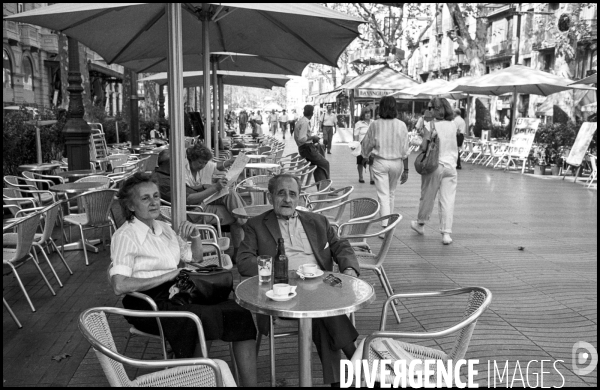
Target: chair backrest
(116,160)
(95,328)
(26,229)
(144,164)
(478,297)
(97,178)
(51,215)
(116,213)
(257,195)
(152,162)
(97,205)
(325,199)
(262,149)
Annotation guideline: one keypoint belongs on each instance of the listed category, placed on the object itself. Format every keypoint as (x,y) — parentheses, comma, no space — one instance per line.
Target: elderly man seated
(199,169)
(309,238)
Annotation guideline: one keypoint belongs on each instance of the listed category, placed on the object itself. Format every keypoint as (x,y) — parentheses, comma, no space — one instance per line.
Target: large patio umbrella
(517,79)
(225,61)
(422,89)
(244,79)
(593,79)
(122,32)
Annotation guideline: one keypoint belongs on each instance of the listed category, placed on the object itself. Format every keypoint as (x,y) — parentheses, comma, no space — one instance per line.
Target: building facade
(517,33)
(35,74)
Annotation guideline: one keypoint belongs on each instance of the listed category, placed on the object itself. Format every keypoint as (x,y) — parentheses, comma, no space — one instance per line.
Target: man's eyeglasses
(333,281)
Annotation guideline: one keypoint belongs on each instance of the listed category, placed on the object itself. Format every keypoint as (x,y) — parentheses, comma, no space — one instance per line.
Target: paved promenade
(544,296)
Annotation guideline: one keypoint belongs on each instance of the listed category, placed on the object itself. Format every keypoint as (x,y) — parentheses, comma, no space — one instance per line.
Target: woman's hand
(404,177)
(187,229)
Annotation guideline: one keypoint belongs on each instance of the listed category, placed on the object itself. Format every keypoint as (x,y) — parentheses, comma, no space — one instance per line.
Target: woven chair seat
(214,260)
(8,254)
(366,260)
(76,219)
(184,377)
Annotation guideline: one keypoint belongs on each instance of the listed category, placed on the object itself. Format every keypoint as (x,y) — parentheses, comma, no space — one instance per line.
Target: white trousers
(386,174)
(443,181)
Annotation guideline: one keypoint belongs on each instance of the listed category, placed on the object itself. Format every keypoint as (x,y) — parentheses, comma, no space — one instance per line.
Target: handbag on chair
(208,285)
(427,161)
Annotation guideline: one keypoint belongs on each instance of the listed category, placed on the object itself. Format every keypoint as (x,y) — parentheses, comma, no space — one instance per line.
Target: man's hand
(219,184)
(404,177)
(350,272)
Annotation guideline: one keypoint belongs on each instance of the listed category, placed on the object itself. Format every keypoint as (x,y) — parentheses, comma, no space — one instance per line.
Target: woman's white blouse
(136,251)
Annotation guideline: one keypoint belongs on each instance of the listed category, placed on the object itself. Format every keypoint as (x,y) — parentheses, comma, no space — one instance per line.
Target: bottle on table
(280,264)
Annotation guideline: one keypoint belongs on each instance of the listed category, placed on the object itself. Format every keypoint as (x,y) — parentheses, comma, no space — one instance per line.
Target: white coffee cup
(283,289)
(309,269)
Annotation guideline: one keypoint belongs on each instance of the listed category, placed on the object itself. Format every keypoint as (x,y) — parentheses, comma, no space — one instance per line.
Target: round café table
(314,299)
(253,211)
(255,156)
(43,167)
(73,189)
(77,174)
(262,168)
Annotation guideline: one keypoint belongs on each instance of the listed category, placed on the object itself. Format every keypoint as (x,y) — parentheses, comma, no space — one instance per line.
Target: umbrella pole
(514,114)
(215,107)
(38,142)
(175,79)
(221,106)
(206,67)
(468,113)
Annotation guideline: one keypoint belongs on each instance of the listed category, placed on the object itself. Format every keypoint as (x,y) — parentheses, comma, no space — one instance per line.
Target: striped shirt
(387,139)
(446,131)
(137,251)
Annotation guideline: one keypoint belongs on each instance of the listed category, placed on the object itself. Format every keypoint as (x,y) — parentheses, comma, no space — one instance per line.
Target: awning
(378,83)
(92,67)
(327,97)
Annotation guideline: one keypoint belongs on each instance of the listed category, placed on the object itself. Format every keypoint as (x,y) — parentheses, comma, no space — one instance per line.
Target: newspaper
(232,175)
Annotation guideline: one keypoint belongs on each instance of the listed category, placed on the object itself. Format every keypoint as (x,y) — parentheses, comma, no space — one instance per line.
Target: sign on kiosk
(522,138)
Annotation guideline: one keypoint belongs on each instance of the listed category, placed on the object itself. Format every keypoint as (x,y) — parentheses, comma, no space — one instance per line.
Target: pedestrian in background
(272,120)
(387,141)
(443,181)
(283,120)
(328,126)
(360,130)
(460,135)
(292,121)
(308,145)
(243,121)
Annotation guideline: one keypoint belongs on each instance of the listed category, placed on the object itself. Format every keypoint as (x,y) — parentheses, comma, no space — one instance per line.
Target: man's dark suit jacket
(262,232)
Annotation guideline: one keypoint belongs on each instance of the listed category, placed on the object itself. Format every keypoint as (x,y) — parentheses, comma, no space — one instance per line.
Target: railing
(11,31)
(499,8)
(504,48)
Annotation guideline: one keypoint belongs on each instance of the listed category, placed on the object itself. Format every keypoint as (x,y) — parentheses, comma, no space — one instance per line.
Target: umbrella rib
(295,35)
(220,30)
(151,65)
(87,19)
(339,25)
(539,89)
(280,66)
(140,32)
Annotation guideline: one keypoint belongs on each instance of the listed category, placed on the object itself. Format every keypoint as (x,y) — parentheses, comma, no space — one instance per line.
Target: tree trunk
(474,48)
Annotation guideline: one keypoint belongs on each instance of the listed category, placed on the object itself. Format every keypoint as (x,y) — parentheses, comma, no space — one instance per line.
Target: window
(487,70)
(7,74)
(27,74)
(553,6)
(20,7)
(527,62)
(548,60)
(506,65)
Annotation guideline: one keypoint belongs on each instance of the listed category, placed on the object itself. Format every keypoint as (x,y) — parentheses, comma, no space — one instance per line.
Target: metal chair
(378,343)
(12,198)
(258,194)
(45,238)
(108,182)
(359,209)
(321,186)
(96,205)
(117,160)
(178,372)
(374,261)
(16,257)
(43,197)
(323,199)
(152,161)
(12,313)
(594,174)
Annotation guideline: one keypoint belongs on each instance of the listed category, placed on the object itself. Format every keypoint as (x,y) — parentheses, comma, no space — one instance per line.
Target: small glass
(265,265)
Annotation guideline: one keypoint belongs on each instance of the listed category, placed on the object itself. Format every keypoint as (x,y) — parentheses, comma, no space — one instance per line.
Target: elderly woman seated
(147,255)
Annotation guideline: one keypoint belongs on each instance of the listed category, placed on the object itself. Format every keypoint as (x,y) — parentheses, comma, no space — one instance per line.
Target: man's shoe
(361,181)
(417,227)
(459,167)
(328,152)
(373,182)
(446,239)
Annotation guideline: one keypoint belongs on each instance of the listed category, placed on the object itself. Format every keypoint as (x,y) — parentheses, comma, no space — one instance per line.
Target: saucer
(319,272)
(280,299)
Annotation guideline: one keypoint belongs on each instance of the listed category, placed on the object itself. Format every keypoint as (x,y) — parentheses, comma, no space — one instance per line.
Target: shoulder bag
(208,285)
(427,161)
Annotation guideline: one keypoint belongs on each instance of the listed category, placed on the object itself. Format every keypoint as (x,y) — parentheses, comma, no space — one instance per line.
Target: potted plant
(539,160)
(554,159)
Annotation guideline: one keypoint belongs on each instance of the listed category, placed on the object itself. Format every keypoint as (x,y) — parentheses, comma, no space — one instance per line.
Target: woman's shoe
(373,182)
(446,239)
(361,181)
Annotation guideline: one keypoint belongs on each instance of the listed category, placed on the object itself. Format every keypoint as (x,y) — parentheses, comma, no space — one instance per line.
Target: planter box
(555,170)
(539,170)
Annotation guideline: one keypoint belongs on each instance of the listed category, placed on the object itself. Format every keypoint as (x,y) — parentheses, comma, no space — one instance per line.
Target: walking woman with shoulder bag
(443,179)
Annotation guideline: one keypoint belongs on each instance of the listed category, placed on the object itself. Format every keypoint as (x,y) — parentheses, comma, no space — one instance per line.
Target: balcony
(49,43)
(591,29)
(496,10)
(11,32)
(500,49)
(29,35)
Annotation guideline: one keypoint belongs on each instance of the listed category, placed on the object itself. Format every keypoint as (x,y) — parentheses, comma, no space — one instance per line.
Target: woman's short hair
(363,113)
(387,108)
(442,110)
(198,152)
(272,185)
(127,191)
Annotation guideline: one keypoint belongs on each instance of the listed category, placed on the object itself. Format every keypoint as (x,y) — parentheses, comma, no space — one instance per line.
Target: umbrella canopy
(517,79)
(273,106)
(225,61)
(378,83)
(593,79)
(122,32)
(422,89)
(245,79)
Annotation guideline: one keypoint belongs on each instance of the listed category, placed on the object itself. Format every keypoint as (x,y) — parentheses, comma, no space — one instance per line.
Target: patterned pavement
(544,296)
